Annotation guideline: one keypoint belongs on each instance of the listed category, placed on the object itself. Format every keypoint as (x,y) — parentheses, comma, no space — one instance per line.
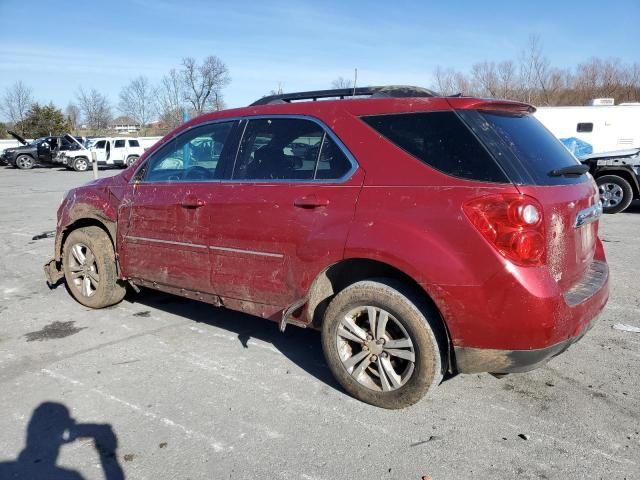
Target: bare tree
(342,82)
(137,101)
(95,108)
(486,78)
(203,83)
(532,79)
(170,103)
(73,115)
(16,103)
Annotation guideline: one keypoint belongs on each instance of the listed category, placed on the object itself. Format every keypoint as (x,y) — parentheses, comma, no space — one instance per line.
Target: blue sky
(57,46)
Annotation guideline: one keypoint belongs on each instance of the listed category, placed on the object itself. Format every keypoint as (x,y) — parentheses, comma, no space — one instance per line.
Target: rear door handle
(310,201)
(192,201)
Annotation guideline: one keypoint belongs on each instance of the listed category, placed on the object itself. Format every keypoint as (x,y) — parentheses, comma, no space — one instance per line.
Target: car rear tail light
(512,223)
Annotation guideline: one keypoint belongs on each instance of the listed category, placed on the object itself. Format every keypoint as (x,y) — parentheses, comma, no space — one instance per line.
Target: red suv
(421,234)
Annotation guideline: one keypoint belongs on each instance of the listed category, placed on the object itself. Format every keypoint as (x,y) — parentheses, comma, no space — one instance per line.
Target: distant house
(158,124)
(124,125)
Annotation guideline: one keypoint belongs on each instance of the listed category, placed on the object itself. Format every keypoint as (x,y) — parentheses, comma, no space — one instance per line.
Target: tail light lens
(512,223)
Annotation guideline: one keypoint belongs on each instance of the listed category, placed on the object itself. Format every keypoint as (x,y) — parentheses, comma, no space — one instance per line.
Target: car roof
(327,109)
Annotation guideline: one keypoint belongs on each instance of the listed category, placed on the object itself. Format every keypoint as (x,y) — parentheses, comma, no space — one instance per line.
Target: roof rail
(391,91)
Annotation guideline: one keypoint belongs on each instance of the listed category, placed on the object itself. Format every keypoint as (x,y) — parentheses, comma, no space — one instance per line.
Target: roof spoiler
(390,91)
(495,105)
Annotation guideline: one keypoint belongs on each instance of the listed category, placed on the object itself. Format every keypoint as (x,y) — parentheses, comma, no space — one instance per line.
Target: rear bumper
(542,331)
(477,360)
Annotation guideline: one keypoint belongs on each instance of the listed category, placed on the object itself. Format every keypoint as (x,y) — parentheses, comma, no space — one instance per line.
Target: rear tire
(131,160)
(616,193)
(362,357)
(89,266)
(24,162)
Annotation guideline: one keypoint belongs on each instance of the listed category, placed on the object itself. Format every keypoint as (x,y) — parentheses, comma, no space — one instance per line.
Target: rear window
(442,141)
(533,146)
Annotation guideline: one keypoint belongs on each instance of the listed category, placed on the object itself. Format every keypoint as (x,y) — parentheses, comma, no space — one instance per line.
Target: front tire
(90,269)
(616,193)
(380,345)
(81,164)
(24,162)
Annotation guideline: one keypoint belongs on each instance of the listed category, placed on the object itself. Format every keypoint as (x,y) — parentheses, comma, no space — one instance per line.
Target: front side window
(100,144)
(119,144)
(191,156)
(288,149)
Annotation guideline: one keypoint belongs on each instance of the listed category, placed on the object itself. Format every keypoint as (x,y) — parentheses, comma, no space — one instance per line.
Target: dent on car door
(285,213)
(162,218)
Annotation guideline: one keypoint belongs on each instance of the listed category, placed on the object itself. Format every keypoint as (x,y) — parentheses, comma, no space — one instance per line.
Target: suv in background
(421,234)
(618,177)
(109,152)
(40,152)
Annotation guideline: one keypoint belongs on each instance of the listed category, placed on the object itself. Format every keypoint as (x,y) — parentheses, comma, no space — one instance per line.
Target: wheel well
(86,222)
(347,272)
(622,174)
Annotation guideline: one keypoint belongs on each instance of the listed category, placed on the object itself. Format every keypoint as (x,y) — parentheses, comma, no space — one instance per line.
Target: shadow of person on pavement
(49,429)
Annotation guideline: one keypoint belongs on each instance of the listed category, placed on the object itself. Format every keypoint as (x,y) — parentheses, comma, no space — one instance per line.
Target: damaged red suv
(421,234)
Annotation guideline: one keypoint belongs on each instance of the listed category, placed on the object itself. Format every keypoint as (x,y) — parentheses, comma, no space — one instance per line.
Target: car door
(118,153)
(101,151)
(284,214)
(162,218)
(45,147)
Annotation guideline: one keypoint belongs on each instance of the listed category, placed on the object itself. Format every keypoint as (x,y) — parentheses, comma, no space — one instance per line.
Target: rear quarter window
(442,141)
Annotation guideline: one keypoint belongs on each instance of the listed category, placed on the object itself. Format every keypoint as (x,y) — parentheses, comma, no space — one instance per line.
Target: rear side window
(584,127)
(442,141)
(134,143)
(119,144)
(528,142)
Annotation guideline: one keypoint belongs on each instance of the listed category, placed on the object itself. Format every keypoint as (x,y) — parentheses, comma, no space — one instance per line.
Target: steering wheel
(197,173)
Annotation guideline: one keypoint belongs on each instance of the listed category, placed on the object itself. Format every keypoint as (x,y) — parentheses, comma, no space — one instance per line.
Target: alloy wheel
(24,162)
(81,165)
(375,348)
(84,270)
(611,194)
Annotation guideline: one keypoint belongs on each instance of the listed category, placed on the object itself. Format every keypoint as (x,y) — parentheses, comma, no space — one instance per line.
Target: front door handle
(192,201)
(310,201)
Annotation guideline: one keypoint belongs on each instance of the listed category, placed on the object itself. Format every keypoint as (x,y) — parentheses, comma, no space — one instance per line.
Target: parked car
(618,177)
(428,235)
(40,152)
(109,152)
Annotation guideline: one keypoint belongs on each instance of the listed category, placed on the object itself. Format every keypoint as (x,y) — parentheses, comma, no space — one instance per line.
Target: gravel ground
(189,391)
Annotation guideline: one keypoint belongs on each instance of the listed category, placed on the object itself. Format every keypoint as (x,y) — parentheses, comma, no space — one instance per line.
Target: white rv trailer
(605,127)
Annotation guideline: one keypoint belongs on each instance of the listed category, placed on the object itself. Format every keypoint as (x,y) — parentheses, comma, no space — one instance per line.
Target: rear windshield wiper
(570,171)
